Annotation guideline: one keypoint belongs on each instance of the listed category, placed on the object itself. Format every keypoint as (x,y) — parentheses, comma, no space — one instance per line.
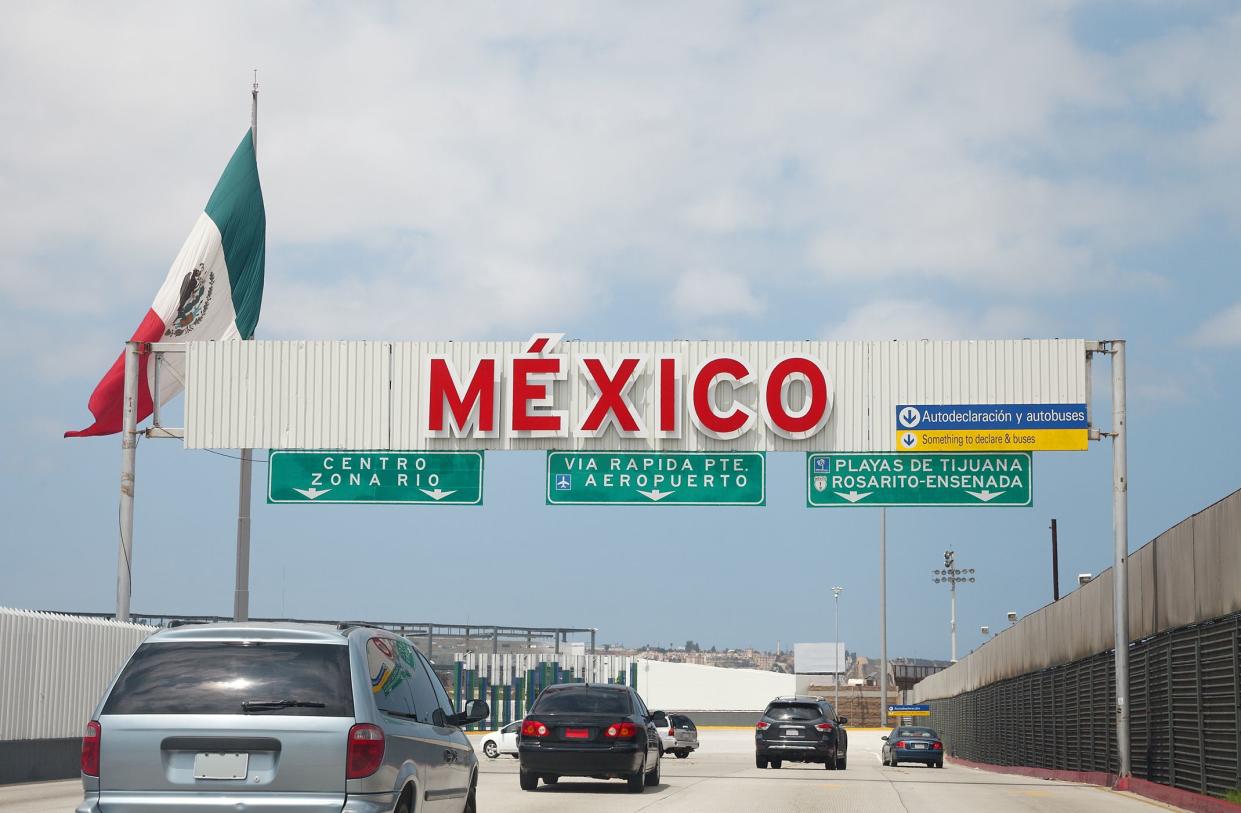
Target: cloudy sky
(641,170)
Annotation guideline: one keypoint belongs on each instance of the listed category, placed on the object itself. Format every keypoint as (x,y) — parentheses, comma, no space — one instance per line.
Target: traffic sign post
(991,427)
(893,479)
(414,478)
(656,478)
(909,711)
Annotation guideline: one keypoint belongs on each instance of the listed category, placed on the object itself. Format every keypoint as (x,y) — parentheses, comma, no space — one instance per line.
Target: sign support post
(1120,569)
(129,454)
(241,589)
(883,616)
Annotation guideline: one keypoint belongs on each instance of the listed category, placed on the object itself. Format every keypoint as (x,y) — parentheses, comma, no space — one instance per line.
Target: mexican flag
(213,291)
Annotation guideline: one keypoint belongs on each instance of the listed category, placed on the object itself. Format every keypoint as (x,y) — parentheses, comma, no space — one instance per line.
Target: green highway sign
(431,478)
(891,478)
(656,478)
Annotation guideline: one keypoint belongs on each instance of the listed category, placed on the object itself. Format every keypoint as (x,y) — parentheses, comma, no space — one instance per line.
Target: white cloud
(912,319)
(1221,330)
(501,161)
(705,295)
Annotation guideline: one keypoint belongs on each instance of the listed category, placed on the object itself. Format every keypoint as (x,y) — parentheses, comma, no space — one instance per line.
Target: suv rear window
(583,701)
(793,711)
(215,677)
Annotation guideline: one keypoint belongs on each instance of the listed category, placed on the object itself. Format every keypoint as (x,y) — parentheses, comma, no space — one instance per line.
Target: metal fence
(1185,707)
(54,668)
(510,683)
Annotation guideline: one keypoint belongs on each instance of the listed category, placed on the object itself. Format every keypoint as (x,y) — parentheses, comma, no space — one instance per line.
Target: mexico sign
(546,393)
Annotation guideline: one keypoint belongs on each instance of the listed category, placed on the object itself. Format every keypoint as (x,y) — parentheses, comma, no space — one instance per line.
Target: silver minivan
(278,717)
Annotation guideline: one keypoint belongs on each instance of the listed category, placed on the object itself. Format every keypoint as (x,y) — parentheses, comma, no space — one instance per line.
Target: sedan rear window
(582,701)
(218,677)
(791,711)
(918,732)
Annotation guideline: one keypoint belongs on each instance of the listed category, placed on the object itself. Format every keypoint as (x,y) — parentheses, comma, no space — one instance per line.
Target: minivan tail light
(672,732)
(621,731)
(823,727)
(533,728)
(365,752)
(90,748)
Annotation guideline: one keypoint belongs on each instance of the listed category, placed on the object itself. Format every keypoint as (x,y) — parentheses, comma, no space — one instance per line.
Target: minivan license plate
(221,766)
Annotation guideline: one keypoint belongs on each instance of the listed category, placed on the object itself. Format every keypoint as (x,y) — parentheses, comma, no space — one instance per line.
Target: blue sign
(821,465)
(564,482)
(910,711)
(991,416)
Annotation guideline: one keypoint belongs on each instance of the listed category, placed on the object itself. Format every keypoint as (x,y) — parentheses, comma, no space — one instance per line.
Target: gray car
(278,717)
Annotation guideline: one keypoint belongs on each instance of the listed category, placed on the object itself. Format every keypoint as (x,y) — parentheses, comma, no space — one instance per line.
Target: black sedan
(598,730)
(913,744)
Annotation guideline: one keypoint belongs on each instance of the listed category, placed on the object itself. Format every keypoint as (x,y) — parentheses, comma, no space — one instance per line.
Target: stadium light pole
(836,591)
(952,576)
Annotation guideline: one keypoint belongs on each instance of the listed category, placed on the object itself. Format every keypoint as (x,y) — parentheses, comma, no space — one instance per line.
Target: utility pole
(241,590)
(952,576)
(1055,563)
(836,591)
(1120,568)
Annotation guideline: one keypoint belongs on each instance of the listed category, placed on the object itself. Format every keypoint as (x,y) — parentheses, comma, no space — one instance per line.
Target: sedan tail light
(365,752)
(900,743)
(91,741)
(762,725)
(825,727)
(533,728)
(937,746)
(621,731)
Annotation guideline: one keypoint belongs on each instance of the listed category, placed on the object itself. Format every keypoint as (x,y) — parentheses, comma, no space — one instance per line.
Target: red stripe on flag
(106,401)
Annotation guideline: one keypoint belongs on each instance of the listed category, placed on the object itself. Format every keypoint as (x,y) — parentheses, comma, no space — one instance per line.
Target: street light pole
(836,591)
(952,576)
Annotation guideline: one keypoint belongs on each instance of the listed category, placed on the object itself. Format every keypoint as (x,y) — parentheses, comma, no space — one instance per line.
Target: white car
(677,734)
(503,741)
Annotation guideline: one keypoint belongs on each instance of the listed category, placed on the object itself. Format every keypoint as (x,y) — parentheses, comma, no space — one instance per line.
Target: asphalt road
(721,777)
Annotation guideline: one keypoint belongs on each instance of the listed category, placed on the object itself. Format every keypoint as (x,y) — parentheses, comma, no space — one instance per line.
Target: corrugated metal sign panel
(370,395)
(55,668)
(288,395)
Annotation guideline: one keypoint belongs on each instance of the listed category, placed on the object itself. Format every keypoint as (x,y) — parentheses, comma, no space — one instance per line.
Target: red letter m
(472,413)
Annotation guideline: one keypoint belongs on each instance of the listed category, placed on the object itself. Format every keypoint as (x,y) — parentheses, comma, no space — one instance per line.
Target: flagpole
(129,454)
(241,591)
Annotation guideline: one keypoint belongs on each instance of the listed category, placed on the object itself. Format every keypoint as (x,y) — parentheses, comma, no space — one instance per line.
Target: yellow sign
(992,440)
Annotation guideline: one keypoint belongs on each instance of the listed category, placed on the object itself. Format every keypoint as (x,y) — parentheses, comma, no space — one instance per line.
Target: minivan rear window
(583,701)
(217,677)
(789,711)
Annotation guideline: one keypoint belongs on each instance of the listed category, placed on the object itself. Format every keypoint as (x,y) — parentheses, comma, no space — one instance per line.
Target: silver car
(278,717)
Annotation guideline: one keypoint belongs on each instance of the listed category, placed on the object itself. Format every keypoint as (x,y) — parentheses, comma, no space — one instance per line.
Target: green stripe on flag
(236,208)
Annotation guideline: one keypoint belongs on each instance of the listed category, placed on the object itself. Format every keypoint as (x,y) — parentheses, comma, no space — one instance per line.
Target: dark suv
(801,729)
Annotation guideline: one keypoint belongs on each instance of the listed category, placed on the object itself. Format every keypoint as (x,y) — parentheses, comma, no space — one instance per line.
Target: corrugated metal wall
(54,669)
(368,395)
(1189,574)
